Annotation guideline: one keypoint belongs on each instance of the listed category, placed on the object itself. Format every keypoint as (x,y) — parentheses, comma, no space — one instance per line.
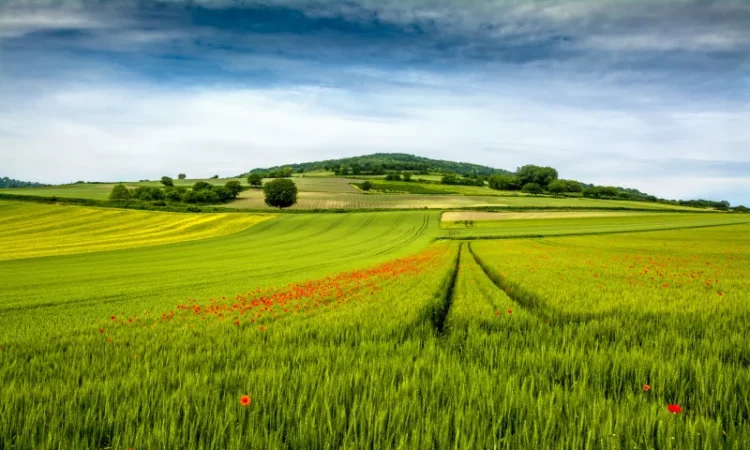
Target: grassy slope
(30,230)
(283,249)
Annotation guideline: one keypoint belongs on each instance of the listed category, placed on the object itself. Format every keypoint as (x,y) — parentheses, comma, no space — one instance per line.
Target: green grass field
(621,222)
(360,330)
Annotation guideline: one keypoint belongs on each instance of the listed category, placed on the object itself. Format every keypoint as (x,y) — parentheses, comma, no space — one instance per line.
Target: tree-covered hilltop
(6,182)
(381,163)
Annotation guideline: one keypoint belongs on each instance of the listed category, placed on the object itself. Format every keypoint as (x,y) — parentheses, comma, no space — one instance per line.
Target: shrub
(120,193)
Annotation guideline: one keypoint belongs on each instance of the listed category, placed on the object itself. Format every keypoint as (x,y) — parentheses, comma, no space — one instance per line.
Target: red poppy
(113,318)
(510,311)
(262,328)
(674,409)
(101,330)
(497,313)
(245,400)
(646,387)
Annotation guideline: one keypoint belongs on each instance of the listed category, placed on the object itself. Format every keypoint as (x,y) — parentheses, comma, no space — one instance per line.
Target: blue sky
(645,94)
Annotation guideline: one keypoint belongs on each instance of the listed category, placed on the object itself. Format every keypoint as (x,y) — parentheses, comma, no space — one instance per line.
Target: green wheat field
(123,329)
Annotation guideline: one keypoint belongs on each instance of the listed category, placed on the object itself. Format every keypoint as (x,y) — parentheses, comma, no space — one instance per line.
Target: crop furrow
(526,299)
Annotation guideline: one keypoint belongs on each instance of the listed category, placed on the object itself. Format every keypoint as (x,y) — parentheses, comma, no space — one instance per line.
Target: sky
(653,95)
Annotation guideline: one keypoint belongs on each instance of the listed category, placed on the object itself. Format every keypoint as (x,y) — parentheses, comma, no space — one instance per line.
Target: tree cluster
(6,182)
(382,163)
(200,193)
(465,180)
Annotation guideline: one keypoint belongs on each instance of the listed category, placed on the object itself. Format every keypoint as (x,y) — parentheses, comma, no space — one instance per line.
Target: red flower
(497,313)
(113,318)
(262,328)
(674,409)
(510,311)
(245,400)
(646,387)
(101,330)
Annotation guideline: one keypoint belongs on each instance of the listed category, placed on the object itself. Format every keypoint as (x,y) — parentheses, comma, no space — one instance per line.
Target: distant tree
(542,176)
(557,187)
(173,195)
(120,193)
(366,186)
(215,177)
(406,176)
(531,188)
(191,197)
(393,177)
(504,182)
(222,193)
(280,193)
(167,181)
(255,180)
(234,188)
(449,178)
(356,169)
(202,186)
(181,176)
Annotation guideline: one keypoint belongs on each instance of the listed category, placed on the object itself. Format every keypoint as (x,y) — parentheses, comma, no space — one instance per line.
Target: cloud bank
(651,95)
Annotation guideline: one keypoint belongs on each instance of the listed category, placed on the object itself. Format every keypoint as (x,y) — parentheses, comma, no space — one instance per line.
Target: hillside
(380,163)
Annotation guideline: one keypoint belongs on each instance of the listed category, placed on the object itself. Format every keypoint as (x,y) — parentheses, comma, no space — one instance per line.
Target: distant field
(489,216)
(253,199)
(31,230)
(593,224)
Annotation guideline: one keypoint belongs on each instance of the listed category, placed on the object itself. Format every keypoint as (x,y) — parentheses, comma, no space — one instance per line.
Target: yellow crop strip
(33,230)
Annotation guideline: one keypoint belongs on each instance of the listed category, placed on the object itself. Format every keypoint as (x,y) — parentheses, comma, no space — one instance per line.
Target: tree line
(279,193)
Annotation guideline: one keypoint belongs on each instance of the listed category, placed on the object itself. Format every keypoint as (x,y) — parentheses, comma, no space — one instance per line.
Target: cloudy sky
(647,94)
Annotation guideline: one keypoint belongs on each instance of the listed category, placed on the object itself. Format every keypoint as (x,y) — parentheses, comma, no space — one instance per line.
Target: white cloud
(134,131)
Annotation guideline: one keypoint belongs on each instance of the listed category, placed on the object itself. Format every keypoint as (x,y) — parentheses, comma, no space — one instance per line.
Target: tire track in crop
(530,301)
(438,312)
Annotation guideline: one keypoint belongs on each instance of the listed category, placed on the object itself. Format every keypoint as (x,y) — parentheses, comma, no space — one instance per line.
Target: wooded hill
(381,163)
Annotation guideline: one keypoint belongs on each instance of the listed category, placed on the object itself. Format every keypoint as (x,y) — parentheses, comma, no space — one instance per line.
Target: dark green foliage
(406,176)
(531,188)
(366,186)
(600,192)
(380,163)
(167,181)
(148,193)
(280,193)
(393,177)
(542,176)
(453,179)
(504,182)
(234,188)
(215,177)
(563,186)
(202,185)
(173,195)
(120,193)
(6,182)
(282,172)
(191,197)
(255,180)
(181,176)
